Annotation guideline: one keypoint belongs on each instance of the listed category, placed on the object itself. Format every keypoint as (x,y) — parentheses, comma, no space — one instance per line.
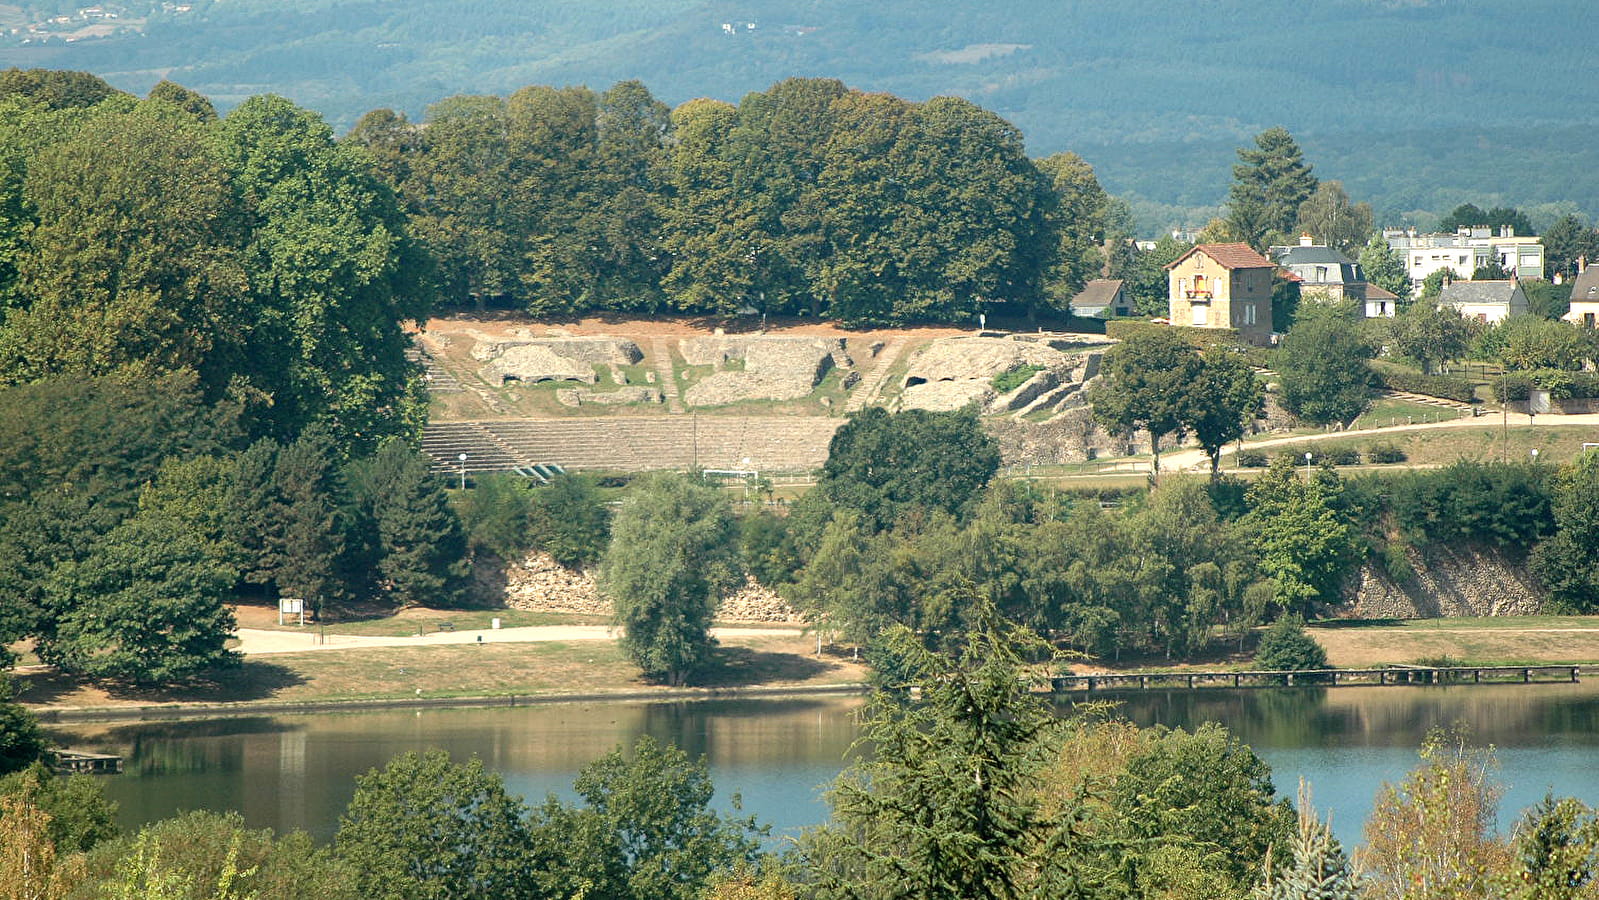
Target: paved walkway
(261,641)
(1196,459)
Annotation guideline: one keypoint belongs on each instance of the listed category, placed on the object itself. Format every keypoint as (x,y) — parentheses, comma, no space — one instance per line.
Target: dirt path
(260,642)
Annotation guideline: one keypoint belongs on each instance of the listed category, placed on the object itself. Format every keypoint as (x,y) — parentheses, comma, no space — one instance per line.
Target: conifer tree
(1320,870)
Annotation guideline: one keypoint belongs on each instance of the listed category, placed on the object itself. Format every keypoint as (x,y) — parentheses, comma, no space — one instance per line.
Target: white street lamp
(462,458)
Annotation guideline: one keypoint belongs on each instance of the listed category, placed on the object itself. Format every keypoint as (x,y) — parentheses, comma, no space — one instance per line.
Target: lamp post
(462,458)
(1535,456)
(1307,465)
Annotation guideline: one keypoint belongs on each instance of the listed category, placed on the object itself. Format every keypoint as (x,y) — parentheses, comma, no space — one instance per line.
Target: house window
(1201,314)
(1587,320)
(1321,274)
(1249,313)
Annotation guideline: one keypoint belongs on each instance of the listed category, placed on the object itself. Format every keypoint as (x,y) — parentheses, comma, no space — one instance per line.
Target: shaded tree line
(807,198)
(143,237)
(130,512)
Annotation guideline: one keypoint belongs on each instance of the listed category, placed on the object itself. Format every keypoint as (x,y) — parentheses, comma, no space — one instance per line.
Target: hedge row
(1560,384)
(1449,387)
(1377,454)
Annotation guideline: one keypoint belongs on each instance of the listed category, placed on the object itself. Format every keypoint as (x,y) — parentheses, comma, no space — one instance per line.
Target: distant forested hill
(1415,104)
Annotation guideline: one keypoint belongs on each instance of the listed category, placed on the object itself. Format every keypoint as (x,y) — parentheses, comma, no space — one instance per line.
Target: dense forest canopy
(1489,106)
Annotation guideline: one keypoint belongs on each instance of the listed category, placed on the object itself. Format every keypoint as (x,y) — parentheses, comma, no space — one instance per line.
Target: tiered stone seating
(635,443)
(445,442)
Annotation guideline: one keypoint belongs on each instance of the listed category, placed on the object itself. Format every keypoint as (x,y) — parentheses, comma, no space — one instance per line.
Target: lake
(288,772)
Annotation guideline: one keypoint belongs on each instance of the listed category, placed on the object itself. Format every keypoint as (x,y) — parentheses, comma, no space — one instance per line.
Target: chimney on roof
(1582,264)
(1507,231)
(1305,240)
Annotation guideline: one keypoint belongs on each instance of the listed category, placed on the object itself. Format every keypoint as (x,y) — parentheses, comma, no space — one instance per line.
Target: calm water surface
(298,771)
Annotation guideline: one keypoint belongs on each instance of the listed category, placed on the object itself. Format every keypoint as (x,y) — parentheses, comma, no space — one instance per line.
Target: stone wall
(540,584)
(1449,580)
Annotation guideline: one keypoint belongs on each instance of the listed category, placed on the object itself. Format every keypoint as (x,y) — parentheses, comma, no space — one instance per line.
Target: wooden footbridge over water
(1388,676)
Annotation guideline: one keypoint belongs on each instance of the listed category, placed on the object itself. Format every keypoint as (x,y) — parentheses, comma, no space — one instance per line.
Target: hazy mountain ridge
(1412,104)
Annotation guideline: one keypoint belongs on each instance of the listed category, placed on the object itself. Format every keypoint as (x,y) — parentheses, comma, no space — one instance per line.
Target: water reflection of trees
(1319,717)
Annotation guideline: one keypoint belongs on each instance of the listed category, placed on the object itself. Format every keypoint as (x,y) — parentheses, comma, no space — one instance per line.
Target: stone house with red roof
(1222,286)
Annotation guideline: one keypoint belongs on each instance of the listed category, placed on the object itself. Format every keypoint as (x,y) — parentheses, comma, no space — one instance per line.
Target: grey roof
(1458,292)
(1100,292)
(1586,288)
(1313,256)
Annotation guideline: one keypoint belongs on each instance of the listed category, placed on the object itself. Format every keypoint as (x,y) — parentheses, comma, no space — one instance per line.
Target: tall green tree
(426,828)
(982,235)
(333,274)
(1304,538)
(1322,368)
(885,465)
(421,545)
(861,195)
(1566,242)
(1081,213)
(942,808)
(22,741)
(307,528)
(1270,182)
(1146,384)
(459,179)
(133,265)
(1223,399)
(711,225)
(1385,268)
(645,830)
(1431,335)
(674,551)
(1332,218)
(1567,563)
(145,606)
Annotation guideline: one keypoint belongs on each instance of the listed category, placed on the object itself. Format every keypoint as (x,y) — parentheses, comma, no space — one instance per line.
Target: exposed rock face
(581,396)
(774,368)
(954,372)
(553,359)
(1450,580)
(541,584)
(1071,436)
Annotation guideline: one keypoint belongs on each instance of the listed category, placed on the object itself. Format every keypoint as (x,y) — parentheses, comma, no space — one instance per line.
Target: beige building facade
(1222,286)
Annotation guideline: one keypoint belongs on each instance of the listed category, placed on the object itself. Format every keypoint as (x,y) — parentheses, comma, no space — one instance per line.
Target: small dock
(1394,675)
(81,762)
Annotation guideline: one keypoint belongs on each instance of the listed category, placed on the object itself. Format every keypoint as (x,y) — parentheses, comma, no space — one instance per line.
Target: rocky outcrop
(539,583)
(952,373)
(769,368)
(1448,580)
(553,359)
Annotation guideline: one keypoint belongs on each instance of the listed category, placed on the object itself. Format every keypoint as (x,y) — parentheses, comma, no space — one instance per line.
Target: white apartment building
(1465,251)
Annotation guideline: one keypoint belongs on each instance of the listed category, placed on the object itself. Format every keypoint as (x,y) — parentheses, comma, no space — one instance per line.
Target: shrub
(1342,456)
(1506,504)
(1285,647)
(1449,387)
(1510,388)
(1252,459)
(1011,379)
(1384,454)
